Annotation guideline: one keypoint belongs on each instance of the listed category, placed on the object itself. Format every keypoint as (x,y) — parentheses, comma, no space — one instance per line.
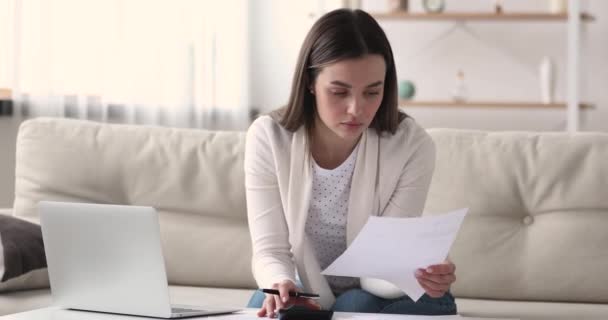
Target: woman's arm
(272,258)
(409,196)
(408,200)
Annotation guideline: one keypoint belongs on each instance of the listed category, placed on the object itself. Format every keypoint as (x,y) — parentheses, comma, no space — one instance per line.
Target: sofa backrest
(194,178)
(537,228)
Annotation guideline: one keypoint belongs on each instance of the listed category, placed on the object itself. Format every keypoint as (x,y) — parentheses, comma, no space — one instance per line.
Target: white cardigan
(391,178)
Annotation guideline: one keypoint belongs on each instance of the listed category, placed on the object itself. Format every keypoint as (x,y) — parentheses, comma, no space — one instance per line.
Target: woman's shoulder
(263,122)
(268,127)
(409,141)
(408,132)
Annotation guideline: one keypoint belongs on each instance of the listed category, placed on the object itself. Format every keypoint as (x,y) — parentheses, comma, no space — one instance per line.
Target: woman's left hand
(437,279)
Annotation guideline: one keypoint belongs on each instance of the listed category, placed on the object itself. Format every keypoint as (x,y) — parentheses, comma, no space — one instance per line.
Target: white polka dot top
(327,215)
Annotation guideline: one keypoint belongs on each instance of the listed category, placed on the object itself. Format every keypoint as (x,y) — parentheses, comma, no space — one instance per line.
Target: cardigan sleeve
(272,260)
(409,196)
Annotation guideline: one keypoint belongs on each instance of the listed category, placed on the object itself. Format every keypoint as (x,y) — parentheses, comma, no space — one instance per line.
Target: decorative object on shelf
(460,92)
(547,80)
(398,5)
(352,4)
(6,102)
(558,6)
(407,89)
(572,14)
(498,6)
(433,6)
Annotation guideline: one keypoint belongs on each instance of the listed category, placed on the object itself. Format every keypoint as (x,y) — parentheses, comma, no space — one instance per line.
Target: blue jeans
(358,300)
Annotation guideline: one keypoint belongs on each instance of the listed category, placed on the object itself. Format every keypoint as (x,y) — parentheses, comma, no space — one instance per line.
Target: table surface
(54,313)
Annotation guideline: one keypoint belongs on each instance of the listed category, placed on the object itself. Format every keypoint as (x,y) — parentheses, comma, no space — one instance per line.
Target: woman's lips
(351,125)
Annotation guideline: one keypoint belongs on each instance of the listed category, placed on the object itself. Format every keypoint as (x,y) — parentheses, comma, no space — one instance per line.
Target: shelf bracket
(466,29)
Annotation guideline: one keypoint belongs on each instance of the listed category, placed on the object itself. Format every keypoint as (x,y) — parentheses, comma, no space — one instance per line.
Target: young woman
(339,152)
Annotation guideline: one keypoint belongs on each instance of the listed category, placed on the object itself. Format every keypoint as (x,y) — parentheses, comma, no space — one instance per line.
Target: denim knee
(424,306)
(358,300)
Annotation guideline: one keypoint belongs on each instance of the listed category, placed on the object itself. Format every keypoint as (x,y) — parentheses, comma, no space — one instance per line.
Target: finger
(433,285)
(439,279)
(308,303)
(432,293)
(278,304)
(284,297)
(442,268)
(270,307)
(262,311)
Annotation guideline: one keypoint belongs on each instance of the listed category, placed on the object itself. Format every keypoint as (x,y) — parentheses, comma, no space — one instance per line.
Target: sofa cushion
(32,280)
(538,222)
(20,301)
(36,279)
(22,247)
(530,309)
(193,177)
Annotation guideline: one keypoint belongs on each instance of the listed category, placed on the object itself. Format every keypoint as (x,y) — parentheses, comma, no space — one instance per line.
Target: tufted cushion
(193,177)
(21,247)
(537,228)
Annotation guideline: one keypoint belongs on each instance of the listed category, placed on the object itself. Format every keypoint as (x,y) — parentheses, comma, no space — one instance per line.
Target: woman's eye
(339,93)
(373,93)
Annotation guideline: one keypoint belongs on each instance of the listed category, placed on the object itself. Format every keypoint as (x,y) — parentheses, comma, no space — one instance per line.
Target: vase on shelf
(558,6)
(460,92)
(407,90)
(397,5)
(498,6)
(351,4)
(547,80)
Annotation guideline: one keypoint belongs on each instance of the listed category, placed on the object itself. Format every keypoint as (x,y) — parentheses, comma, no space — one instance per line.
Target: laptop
(108,258)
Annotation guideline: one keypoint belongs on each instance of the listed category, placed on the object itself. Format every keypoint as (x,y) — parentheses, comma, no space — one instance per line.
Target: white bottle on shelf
(547,80)
(558,6)
(460,92)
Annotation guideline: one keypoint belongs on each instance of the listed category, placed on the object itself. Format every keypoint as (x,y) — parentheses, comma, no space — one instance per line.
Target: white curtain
(167,62)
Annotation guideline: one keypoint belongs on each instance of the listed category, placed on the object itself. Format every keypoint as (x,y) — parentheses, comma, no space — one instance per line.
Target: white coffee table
(54,313)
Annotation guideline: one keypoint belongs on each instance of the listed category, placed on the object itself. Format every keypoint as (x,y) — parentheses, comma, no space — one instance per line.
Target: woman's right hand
(274,302)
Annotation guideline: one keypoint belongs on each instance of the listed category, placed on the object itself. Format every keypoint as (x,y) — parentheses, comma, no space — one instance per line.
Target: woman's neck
(328,149)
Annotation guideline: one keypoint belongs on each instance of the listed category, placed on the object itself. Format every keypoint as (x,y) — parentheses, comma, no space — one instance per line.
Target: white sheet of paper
(393,248)
(384,316)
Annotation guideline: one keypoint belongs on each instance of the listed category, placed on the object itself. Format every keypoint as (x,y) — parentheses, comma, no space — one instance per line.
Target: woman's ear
(311,88)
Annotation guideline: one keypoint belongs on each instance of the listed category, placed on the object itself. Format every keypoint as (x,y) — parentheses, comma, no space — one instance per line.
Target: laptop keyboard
(185,310)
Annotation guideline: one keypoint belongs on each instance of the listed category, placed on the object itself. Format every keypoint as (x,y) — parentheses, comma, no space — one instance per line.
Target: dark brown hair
(338,35)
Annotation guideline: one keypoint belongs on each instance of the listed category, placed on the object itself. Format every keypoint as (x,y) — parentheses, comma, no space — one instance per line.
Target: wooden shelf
(488,104)
(480,16)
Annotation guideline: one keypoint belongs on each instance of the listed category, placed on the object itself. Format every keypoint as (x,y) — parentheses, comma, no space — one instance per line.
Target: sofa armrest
(6,211)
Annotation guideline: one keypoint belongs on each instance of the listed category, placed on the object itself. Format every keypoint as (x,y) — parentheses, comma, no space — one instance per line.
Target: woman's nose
(355,106)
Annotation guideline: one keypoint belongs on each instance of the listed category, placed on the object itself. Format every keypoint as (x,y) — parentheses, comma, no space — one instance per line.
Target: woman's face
(348,94)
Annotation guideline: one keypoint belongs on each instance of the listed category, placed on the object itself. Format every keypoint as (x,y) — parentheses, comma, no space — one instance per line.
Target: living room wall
(503,66)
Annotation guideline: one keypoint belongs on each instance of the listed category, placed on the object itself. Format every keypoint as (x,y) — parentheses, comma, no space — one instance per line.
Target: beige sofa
(535,243)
